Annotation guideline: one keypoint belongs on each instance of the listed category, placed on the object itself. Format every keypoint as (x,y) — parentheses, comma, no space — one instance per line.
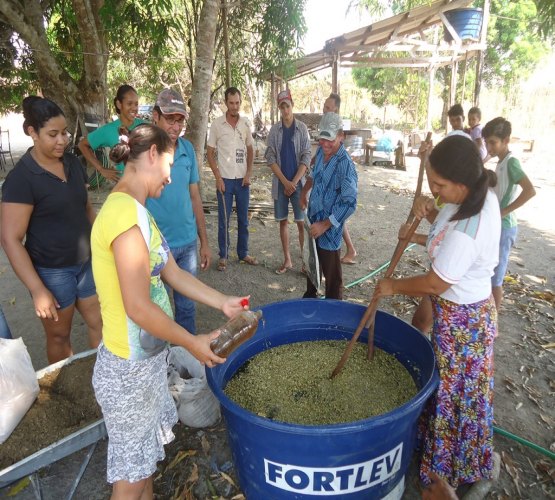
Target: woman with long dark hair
(463,248)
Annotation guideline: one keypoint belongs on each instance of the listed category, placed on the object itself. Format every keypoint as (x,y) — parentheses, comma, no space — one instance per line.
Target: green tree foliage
(546,17)
(283,17)
(406,89)
(514,45)
(147,43)
(544,23)
(385,84)
(514,48)
(62,47)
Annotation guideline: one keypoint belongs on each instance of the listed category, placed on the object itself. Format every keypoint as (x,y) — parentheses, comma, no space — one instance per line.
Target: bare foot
(285,267)
(349,258)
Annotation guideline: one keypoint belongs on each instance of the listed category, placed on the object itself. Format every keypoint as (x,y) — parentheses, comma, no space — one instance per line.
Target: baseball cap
(285,96)
(170,102)
(329,126)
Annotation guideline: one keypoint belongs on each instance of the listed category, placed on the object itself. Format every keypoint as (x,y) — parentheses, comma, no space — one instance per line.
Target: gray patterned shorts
(138,410)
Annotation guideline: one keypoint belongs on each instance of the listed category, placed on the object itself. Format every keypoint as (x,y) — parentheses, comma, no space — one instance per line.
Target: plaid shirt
(301,142)
(333,195)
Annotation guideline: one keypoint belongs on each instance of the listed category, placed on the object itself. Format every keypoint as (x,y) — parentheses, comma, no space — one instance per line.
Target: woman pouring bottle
(131,262)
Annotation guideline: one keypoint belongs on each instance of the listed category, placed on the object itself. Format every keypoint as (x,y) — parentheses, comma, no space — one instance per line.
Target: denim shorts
(68,284)
(508,238)
(281,205)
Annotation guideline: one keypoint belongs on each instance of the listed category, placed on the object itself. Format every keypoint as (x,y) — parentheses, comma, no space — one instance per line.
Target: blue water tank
(466,22)
(362,460)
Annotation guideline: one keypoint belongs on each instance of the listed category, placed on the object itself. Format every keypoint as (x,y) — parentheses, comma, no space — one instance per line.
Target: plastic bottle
(235,332)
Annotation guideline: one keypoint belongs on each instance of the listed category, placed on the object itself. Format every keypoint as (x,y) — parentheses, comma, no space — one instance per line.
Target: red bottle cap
(244,302)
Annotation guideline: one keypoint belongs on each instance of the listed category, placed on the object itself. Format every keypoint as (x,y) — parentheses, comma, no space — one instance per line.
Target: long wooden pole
(370,313)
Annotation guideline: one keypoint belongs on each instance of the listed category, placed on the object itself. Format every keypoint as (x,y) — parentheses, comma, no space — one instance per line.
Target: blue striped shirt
(333,195)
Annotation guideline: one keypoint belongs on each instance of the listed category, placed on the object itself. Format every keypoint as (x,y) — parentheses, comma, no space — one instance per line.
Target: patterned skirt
(457,426)
(138,411)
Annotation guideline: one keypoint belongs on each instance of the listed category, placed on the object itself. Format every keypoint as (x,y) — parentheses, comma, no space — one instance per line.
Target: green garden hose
(375,271)
(523,441)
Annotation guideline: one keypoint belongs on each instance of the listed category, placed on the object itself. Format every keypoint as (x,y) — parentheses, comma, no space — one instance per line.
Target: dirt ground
(66,393)
(525,368)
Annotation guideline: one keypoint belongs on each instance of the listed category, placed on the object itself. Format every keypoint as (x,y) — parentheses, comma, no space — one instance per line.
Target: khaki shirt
(231,145)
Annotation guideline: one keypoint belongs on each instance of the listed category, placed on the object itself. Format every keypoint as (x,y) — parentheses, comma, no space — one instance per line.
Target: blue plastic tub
(365,459)
(466,22)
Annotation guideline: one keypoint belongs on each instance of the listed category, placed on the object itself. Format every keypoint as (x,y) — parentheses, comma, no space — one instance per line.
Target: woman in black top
(45,202)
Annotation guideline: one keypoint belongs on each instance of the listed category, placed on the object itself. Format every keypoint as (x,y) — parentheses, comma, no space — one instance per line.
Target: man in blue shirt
(288,155)
(332,201)
(178,212)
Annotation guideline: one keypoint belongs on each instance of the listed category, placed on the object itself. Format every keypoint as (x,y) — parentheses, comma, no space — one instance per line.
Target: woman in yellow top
(131,259)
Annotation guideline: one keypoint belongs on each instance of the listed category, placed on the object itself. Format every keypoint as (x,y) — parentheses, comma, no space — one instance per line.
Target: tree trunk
(75,97)
(202,80)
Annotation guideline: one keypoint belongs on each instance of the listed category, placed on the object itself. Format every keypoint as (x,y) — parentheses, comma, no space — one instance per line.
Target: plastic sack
(196,404)
(19,386)
(385,144)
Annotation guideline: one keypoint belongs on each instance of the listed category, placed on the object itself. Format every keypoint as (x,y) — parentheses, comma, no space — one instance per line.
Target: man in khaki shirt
(230,136)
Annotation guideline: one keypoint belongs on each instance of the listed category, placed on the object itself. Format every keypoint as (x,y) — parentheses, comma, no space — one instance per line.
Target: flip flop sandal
(251,261)
(222,264)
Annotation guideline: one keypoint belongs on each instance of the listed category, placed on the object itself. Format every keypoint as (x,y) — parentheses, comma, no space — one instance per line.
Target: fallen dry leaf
(548,420)
(511,385)
(533,394)
(510,280)
(547,295)
(546,468)
(193,477)
(205,444)
(512,470)
(179,493)
(180,456)
(228,479)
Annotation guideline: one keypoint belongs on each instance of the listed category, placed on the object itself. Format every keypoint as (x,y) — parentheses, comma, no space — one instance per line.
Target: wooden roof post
(335,73)
(431,80)
(480,60)
(453,84)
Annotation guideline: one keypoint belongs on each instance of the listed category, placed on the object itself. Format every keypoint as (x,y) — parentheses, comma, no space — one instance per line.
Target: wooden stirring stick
(397,254)
(401,246)
(370,313)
